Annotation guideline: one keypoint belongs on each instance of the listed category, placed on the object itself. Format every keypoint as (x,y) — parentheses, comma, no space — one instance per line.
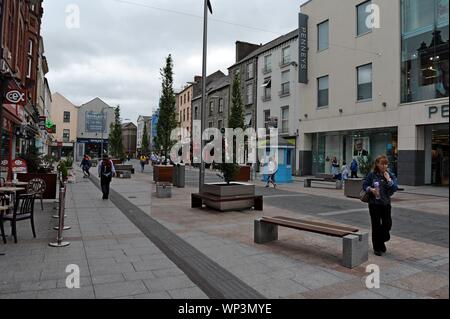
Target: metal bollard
(60,228)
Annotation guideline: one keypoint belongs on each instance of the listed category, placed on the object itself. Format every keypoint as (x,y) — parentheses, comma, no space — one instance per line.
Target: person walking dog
(380,185)
(106,171)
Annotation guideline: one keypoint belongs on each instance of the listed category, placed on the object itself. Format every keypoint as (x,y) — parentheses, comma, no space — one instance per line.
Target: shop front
(350,144)
(91,147)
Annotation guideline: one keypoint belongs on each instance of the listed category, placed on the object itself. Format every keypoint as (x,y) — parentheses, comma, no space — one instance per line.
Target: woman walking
(380,184)
(272,170)
(106,171)
(86,165)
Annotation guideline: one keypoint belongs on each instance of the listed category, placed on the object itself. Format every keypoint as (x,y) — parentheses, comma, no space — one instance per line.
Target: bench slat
(302,226)
(350,229)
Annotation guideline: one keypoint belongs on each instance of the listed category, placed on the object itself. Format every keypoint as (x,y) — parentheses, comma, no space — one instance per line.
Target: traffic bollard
(59,239)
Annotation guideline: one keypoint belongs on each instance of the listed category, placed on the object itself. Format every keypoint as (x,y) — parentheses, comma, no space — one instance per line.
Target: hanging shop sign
(42,120)
(19,166)
(16,96)
(303,48)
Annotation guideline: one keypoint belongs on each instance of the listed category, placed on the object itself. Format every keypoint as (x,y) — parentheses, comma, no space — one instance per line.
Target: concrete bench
(307,181)
(124,167)
(198,199)
(355,243)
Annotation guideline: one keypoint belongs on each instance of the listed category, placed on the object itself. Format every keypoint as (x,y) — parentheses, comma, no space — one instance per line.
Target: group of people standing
(343,173)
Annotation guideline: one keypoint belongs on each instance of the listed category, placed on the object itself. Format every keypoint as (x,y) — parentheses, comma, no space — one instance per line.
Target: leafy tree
(365,164)
(167,117)
(230,170)
(145,143)
(115,136)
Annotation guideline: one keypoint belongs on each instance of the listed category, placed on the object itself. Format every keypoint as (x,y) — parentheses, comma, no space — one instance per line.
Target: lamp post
(207,5)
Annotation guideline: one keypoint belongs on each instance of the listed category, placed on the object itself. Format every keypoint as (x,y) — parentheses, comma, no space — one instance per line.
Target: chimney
(243,49)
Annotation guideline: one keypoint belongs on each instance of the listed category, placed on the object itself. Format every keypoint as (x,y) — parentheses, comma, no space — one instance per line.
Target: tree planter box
(233,189)
(244,174)
(49,179)
(353,187)
(163,173)
(163,190)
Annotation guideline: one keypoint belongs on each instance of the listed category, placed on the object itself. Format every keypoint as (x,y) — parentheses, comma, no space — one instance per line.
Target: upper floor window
(189,97)
(188,114)
(322,91)
(266,118)
(267,85)
(285,82)
(249,93)
(250,71)
(323,35)
(267,64)
(286,53)
(30,47)
(66,135)
(219,124)
(196,112)
(211,108)
(285,119)
(363,22)
(221,105)
(66,117)
(364,82)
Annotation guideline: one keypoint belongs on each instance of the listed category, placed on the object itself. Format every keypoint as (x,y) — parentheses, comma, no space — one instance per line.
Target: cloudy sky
(120,45)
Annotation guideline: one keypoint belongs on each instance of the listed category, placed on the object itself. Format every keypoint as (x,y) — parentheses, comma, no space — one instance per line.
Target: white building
(384,87)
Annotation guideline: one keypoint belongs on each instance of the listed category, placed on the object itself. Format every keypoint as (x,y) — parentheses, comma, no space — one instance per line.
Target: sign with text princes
(303,48)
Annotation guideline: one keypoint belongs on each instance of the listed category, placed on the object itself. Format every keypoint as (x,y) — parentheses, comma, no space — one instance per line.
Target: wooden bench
(124,167)
(197,200)
(326,178)
(355,243)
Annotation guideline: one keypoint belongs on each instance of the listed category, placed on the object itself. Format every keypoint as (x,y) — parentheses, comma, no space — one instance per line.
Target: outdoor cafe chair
(37,186)
(23,210)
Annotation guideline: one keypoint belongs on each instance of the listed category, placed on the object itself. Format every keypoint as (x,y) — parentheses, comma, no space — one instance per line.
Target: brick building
(20,40)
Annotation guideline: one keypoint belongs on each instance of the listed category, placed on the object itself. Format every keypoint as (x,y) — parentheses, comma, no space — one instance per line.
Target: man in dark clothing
(106,171)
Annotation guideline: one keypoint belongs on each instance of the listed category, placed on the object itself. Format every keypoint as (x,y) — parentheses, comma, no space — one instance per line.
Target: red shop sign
(19,166)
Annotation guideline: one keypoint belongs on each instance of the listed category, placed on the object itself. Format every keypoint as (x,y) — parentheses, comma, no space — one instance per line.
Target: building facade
(141,121)
(184,102)
(19,42)
(129,134)
(93,128)
(277,94)
(377,89)
(64,114)
(246,68)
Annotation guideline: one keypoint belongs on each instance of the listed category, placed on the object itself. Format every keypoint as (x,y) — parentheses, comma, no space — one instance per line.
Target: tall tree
(145,143)
(167,118)
(230,170)
(115,136)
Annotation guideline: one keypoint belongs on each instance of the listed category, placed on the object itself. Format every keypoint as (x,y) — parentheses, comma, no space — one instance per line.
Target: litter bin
(179,173)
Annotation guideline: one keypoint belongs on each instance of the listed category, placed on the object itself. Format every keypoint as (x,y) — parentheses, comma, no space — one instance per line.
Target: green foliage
(69,162)
(145,144)
(231,170)
(32,158)
(62,169)
(167,117)
(365,164)
(115,137)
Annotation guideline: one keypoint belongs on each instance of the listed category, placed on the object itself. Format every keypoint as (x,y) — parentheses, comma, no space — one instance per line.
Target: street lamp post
(202,109)
(103,129)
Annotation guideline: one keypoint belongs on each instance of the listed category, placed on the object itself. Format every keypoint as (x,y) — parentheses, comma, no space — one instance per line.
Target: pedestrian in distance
(106,171)
(335,169)
(345,171)
(272,170)
(86,165)
(142,161)
(380,184)
(354,168)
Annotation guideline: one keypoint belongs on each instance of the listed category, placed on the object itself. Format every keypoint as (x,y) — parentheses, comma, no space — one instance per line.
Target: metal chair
(23,210)
(4,201)
(37,186)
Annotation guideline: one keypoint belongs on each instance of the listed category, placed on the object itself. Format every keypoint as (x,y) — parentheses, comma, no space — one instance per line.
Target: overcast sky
(120,45)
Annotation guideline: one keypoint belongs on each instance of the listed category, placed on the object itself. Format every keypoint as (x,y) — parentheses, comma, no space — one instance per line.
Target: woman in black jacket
(380,184)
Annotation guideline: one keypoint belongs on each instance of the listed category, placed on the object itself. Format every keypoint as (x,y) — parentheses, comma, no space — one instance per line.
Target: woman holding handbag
(379,186)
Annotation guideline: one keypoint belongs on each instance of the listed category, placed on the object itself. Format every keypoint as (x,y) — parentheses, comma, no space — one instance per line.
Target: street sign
(16,96)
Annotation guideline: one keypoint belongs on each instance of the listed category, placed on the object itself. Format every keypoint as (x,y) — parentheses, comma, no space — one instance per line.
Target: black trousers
(354,175)
(105,181)
(380,216)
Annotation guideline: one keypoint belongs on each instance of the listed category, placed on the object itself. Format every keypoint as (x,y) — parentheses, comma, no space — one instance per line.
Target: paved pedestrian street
(138,246)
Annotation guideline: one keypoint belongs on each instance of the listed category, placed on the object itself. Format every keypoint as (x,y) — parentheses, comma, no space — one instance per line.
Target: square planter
(353,187)
(228,190)
(163,173)
(163,190)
